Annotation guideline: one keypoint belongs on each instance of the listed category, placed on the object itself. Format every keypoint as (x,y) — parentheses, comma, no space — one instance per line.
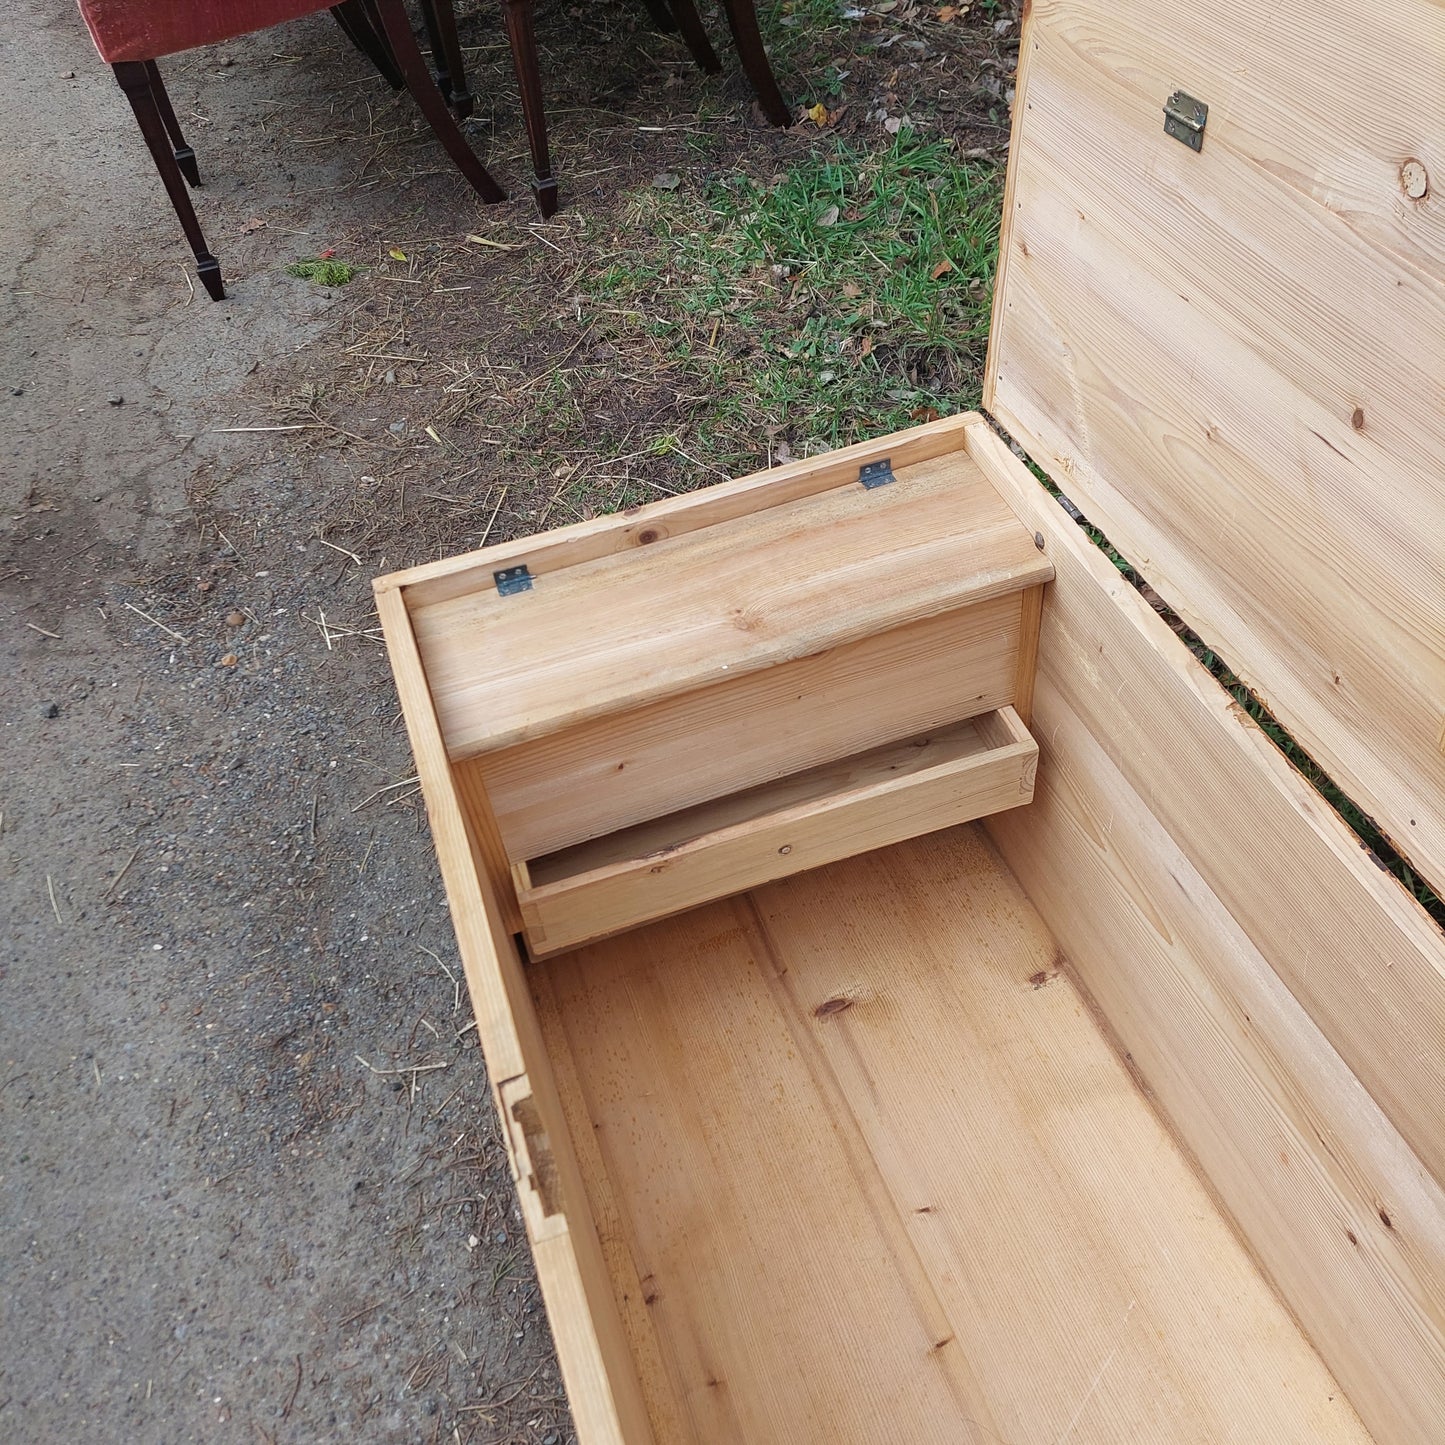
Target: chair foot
(462,102)
(186,160)
(135,78)
(208,270)
(185,156)
(523,40)
(446,51)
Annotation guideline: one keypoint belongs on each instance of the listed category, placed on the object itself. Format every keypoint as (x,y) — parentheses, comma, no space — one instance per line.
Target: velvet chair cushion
(148,29)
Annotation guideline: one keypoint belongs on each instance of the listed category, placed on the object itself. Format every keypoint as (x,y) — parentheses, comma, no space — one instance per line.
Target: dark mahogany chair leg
(185,156)
(661,14)
(357,26)
(743,22)
(397,29)
(135,80)
(446,53)
(690,23)
(523,40)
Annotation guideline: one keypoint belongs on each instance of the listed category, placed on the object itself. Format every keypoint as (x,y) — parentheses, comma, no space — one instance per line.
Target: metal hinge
(877,474)
(1184,119)
(513,579)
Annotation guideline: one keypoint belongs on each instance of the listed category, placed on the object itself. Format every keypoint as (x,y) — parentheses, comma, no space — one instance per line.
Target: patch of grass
(323,271)
(845,297)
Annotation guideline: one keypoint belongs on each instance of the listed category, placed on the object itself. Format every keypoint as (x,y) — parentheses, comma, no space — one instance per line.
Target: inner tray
(951,775)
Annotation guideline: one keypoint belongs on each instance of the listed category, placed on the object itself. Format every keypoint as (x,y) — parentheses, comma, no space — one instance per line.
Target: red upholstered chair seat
(132,34)
(147,29)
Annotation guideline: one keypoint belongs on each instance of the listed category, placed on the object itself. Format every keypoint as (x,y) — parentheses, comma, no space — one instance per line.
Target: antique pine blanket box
(921,1005)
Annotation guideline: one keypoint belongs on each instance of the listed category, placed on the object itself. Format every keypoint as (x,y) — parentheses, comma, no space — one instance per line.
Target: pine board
(1282,997)
(875,1174)
(735,843)
(613,772)
(1234,361)
(625,630)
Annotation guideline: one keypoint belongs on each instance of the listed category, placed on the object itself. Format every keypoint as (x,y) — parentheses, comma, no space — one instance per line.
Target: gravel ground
(217,892)
(251,1187)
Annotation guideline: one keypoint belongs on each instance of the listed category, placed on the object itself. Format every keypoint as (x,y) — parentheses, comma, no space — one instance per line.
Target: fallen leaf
(397,254)
(923,413)
(253,225)
(892,125)
(500,245)
(327,254)
(665,181)
(952,12)
(852,290)
(866,349)
(942,267)
(818,114)
(828,217)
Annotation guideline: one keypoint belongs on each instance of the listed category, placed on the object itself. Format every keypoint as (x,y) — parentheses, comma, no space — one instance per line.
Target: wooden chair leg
(185,156)
(523,40)
(690,23)
(135,80)
(743,22)
(446,51)
(357,26)
(397,29)
(661,14)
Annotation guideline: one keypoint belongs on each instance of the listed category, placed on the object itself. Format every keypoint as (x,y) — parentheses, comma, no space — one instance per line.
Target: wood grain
(627,630)
(879,1177)
(592,1347)
(616,771)
(1234,362)
(674,516)
(1283,999)
(734,843)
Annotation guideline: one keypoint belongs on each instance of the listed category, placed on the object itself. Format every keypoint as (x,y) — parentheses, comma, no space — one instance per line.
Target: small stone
(52,710)
(235,619)
(116,399)
(666,181)
(67,75)
(398,427)
(17,391)
(229,660)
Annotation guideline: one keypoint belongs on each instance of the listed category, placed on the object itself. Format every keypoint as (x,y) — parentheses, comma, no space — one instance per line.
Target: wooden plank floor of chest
(921,1004)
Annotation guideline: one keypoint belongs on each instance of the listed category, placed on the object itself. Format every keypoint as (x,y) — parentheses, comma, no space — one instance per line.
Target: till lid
(1220,325)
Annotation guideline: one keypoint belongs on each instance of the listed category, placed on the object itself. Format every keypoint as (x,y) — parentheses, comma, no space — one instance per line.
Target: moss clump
(322,272)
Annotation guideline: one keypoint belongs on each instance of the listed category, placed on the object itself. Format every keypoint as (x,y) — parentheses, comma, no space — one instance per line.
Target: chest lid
(1220,327)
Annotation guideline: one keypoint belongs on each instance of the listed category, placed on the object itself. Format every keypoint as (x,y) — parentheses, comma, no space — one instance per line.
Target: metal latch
(877,474)
(511,580)
(1184,119)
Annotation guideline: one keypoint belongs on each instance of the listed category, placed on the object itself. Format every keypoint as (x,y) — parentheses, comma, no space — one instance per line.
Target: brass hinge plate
(1185,119)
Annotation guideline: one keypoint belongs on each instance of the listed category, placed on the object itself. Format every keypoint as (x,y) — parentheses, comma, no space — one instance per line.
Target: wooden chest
(922,1006)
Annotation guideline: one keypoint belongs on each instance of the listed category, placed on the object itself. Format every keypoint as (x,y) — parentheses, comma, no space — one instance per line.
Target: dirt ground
(250,1185)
